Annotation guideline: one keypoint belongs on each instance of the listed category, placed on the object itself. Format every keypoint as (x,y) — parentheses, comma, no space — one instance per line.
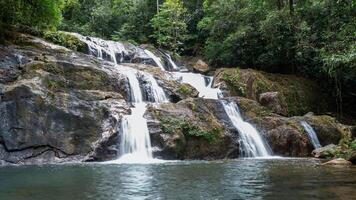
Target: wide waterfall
(135,145)
(102,49)
(251,143)
(311,134)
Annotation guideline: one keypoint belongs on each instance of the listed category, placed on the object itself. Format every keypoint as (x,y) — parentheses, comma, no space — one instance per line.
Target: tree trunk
(291,6)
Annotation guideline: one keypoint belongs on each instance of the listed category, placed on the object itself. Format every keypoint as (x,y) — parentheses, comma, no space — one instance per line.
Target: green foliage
(170,28)
(314,38)
(42,14)
(171,125)
(66,40)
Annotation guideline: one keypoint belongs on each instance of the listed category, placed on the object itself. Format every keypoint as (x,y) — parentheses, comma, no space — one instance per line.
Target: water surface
(234,179)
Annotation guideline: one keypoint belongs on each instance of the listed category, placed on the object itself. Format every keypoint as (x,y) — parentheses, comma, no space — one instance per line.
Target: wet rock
(61,108)
(338,162)
(285,135)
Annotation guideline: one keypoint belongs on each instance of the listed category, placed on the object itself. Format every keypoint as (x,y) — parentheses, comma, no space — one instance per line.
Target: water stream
(311,134)
(251,143)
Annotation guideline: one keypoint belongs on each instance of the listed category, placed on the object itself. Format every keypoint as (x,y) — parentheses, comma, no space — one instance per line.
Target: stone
(273,101)
(190,129)
(338,162)
(324,152)
(201,67)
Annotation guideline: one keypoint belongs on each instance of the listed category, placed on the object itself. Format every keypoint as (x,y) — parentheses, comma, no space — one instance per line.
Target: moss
(232,78)
(66,40)
(298,94)
(185,91)
(170,125)
(54,83)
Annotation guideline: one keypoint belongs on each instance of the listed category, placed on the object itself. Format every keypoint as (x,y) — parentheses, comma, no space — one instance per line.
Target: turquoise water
(233,179)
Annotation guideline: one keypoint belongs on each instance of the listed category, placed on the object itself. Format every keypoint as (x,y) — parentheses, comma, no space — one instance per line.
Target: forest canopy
(313,38)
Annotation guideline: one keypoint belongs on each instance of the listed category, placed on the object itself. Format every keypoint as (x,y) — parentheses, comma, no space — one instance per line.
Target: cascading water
(135,143)
(311,134)
(200,82)
(251,143)
(173,64)
(156,59)
(102,49)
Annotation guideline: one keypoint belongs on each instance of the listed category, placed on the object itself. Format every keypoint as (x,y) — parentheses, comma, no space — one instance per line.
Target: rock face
(273,101)
(191,130)
(56,105)
(296,95)
(285,135)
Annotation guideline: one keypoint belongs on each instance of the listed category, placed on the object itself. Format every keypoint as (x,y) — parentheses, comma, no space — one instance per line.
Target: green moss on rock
(170,125)
(299,94)
(66,40)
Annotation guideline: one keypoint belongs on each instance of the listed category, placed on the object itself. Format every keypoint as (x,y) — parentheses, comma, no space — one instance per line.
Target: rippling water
(233,179)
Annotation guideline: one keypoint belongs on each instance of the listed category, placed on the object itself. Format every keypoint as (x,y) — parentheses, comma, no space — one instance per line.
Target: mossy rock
(66,40)
(299,95)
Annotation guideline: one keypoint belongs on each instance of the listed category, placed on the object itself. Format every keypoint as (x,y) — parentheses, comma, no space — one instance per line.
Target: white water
(135,143)
(174,66)
(251,143)
(156,59)
(311,134)
(157,92)
(201,83)
(98,46)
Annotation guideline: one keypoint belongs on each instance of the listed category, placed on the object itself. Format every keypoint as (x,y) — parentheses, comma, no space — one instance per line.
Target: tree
(170,28)
(42,14)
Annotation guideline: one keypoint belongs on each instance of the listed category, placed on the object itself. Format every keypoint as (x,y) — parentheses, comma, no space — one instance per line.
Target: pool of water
(231,179)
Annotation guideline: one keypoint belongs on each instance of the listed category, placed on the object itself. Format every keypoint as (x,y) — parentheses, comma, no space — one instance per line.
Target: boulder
(338,162)
(273,101)
(201,67)
(191,130)
(325,152)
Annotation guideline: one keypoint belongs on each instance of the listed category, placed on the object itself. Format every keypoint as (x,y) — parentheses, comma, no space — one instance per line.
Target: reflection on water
(239,179)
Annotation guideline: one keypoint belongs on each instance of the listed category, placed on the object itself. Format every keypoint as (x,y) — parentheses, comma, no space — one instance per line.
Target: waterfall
(102,49)
(311,134)
(200,82)
(173,64)
(156,59)
(135,143)
(251,143)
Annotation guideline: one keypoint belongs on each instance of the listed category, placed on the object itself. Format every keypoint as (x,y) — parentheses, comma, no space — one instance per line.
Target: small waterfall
(311,134)
(173,64)
(135,143)
(156,59)
(200,82)
(251,143)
